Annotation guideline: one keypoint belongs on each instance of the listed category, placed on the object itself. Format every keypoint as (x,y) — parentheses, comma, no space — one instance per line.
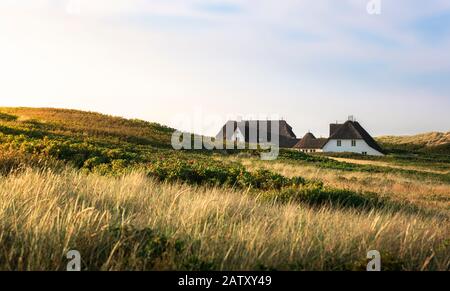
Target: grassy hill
(433,142)
(115,190)
(71,123)
(107,144)
(84,139)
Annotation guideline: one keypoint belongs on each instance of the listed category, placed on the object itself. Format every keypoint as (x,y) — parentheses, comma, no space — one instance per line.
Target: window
(364,153)
(353,143)
(339,143)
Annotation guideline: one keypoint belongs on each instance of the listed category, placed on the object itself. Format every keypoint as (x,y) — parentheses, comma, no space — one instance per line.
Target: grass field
(437,142)
(114,190)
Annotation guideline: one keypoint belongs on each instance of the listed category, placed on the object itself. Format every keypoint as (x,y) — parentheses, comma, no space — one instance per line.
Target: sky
(192,64)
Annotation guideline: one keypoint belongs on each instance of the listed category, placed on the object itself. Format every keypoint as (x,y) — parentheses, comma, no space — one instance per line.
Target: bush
(202,171)
(316,194)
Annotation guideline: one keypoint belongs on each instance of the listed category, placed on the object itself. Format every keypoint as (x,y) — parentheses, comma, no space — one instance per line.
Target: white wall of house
(238,136)
(346,146)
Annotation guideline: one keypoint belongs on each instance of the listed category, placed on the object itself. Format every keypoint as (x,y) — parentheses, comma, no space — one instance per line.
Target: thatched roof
(353,130)
(334,127)
(309,141)
(287,138)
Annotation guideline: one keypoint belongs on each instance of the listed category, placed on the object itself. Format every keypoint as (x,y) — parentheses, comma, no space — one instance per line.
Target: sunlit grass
(133,222)
(115,190)
(427,193)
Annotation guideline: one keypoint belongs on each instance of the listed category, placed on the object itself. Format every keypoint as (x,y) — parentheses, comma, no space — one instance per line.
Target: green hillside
(102,144)
(86,140)
(432,142)
(115,190)
(65,122)
(107,144)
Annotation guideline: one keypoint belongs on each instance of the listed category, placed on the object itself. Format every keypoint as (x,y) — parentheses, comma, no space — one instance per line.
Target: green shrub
(204,171)
(314,193)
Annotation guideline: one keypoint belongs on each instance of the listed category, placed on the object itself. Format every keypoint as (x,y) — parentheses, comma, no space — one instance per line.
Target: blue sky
(310,62)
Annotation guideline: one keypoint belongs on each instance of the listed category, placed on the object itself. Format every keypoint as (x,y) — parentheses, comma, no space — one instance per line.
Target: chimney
(350,118)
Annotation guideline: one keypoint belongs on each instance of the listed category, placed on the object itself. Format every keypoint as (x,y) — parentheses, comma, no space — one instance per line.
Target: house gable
(238,136)
(352,130)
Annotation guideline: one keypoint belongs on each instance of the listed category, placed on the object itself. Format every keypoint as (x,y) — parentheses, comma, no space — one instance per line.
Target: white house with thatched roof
(348,137)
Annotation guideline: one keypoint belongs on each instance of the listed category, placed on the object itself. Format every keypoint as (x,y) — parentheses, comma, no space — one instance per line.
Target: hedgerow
(218,173)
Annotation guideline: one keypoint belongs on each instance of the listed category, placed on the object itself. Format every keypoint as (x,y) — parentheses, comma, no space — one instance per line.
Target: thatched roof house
(256,131)
(347,137)
(352,130)
(309,143)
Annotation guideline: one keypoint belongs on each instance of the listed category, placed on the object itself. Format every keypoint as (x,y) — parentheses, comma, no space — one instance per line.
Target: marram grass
(133,222)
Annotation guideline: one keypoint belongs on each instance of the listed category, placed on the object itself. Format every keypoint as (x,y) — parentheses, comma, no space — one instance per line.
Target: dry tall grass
(133,222)
(427,168)
(427,139)
(430,194)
